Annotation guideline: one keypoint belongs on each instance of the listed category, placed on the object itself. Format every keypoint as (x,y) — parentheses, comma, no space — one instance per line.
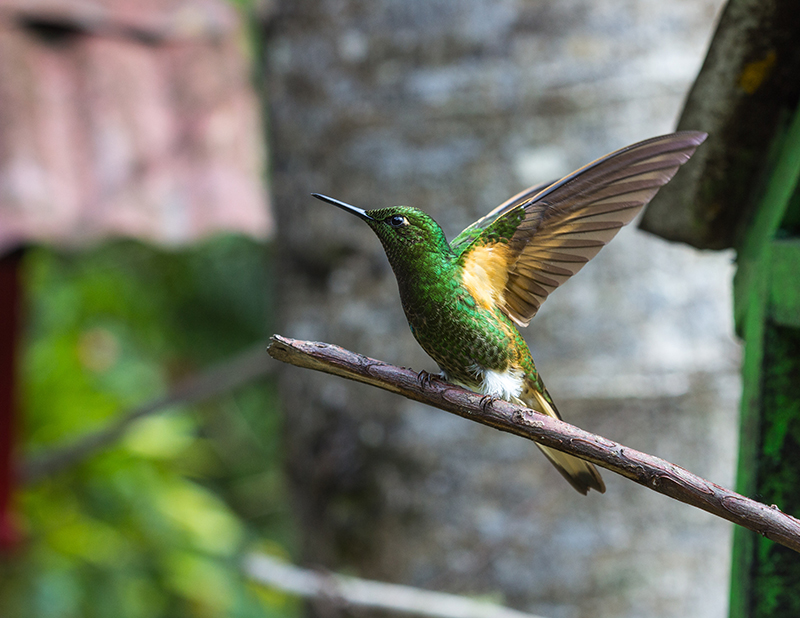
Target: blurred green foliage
(156,525)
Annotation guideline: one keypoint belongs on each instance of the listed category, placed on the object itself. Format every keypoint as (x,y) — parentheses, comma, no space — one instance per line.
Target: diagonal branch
(657,474)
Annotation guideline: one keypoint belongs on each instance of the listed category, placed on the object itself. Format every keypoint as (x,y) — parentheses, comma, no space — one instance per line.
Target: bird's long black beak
(358,212)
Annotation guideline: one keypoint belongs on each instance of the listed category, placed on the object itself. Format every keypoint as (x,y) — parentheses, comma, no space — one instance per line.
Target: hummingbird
(465,299)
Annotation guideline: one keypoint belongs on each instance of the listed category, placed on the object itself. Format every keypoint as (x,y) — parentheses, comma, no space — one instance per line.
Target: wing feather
(465,238)
(562,225)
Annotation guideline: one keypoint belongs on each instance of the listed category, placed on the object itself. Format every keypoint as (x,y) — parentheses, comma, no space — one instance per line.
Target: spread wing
(542,238)
(466,237)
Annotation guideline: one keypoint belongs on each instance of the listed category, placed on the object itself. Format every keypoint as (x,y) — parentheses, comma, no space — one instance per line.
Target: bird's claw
(486,401)
(424,378)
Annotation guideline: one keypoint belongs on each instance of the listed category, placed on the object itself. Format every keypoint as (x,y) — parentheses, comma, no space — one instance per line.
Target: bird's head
(405,232)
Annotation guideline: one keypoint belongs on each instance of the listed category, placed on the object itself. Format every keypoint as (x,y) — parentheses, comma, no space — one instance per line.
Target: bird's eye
(397,221)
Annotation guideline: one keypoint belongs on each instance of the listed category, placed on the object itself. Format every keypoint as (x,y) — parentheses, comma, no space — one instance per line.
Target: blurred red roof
(127,117)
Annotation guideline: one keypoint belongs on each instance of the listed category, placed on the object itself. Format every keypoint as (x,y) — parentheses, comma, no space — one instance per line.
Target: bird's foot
(486,401)
(424,378)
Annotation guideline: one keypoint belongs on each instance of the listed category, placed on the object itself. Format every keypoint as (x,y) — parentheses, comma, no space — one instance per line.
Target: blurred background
(156,160)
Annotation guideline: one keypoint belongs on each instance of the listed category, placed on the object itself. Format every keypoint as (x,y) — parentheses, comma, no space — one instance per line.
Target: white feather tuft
(503,385)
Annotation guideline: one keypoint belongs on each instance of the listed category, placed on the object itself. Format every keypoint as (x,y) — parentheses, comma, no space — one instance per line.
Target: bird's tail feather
(582,475)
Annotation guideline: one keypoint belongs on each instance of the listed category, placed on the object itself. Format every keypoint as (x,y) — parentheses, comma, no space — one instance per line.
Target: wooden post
(9,327)
(765,577)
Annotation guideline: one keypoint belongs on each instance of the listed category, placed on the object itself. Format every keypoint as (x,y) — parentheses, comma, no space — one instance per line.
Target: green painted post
(765,578)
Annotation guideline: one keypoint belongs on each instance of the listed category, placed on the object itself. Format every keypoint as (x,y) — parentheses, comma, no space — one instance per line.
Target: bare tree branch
(657,474)
(241,369)
(364,593)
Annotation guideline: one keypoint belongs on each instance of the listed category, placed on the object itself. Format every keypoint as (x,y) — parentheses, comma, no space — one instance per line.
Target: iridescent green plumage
(463,300)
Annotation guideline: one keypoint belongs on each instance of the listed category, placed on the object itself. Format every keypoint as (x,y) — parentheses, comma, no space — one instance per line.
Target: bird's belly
(475,349)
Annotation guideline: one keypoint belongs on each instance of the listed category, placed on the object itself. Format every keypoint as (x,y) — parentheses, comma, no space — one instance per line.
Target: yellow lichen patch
(485,274)
(754,73)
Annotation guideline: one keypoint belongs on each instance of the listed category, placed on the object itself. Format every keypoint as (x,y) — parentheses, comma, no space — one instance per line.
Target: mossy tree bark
(765,577)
